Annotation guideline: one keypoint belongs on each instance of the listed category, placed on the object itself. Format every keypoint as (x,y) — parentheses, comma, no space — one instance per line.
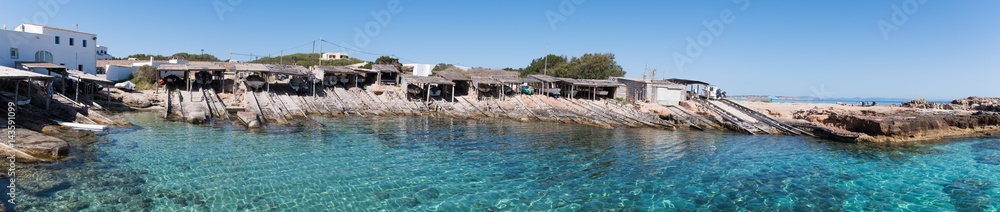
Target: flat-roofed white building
(37,43)
(334,56)
(102,53)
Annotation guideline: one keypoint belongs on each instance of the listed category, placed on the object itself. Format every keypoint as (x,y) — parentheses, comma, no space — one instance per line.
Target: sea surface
(442,164)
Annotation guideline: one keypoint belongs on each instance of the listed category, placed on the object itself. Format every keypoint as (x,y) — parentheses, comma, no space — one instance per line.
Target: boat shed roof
(288,69)
(250,67)
(686,81)
(42,65)
(205,67)
(515,79)
(543,78)
(385,68)
(412,79)
(453,76)
(485,80)
(591,82)
(336,69)
(172,67)
(12,73)
(83,76)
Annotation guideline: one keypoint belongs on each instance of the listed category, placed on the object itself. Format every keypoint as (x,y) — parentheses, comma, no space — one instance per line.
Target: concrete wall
(119,73)
(35,38)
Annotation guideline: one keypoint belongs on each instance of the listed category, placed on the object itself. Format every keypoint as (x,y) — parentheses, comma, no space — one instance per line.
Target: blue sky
(943,50)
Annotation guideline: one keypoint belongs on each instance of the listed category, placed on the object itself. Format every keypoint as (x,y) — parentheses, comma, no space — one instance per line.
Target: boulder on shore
(36,145)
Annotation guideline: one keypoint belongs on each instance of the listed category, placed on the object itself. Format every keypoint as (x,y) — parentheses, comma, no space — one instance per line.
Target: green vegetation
(144,78)
(587,66)
(306,59)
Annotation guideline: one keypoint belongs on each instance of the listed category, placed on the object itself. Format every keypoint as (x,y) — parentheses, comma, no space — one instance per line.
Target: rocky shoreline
(916,121)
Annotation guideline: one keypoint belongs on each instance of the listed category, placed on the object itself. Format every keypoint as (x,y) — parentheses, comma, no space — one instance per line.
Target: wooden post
(453,93)
(427,90)
(48,87)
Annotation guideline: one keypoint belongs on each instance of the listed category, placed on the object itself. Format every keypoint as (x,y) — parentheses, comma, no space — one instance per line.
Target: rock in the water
(989,145)
(39,145)
(195,113)
(427,194)
(970,194)
(990,158)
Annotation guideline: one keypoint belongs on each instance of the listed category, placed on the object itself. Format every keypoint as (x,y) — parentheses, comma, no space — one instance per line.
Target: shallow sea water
(438,164)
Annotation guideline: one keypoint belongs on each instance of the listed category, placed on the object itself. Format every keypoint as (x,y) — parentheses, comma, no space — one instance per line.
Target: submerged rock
(989,145)
(427,194)
(39,145)
(970,194)
(991,158)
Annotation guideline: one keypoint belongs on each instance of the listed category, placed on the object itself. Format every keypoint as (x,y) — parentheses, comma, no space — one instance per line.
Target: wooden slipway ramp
(739,118)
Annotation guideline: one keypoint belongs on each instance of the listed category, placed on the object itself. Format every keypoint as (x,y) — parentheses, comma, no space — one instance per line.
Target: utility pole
(281,59)
(230,55)
(320,50)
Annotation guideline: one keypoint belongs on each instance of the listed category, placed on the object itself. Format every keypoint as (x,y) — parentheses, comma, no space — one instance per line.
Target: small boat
(507,90)
(78,126)
(170,79)
(203,78)
(128,86)
(361,79)
(485,88)
(299,84)
(414,89)
(282,77)
(435,91)
(552,91)
(527,90)
(602,93)
(255,81)
(344,80)
(21,100)
(330,81)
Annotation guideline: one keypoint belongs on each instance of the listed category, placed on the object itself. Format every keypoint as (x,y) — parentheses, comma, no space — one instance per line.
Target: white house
(334,56)
(36,43)
(654,91)
(102,53)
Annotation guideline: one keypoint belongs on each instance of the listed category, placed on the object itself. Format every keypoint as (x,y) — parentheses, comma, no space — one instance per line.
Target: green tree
(538,66)
(587,66)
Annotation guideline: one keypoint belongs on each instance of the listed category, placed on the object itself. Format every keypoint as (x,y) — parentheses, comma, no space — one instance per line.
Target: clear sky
(926,48)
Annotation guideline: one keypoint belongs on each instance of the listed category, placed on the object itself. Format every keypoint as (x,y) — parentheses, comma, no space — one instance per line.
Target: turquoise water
(416,163)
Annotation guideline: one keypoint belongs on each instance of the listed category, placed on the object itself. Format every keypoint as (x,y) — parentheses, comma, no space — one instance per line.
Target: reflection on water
(419,163)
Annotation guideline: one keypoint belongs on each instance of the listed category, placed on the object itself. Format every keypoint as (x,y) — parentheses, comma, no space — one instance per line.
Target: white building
(102,53)
(653,91)
(37,43)
(334,56)
(420,69)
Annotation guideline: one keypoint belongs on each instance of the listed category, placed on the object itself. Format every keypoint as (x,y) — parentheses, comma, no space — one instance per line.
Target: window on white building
(14,54)
(70,41)
(43,56)
(57,39)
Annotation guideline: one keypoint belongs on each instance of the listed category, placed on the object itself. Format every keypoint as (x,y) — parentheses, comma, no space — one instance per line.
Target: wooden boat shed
(592,89)
(549,84)
(486,87)
(425,84)
(462,83)
(349,72)
(386,74)
(17,76)
(515,82)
